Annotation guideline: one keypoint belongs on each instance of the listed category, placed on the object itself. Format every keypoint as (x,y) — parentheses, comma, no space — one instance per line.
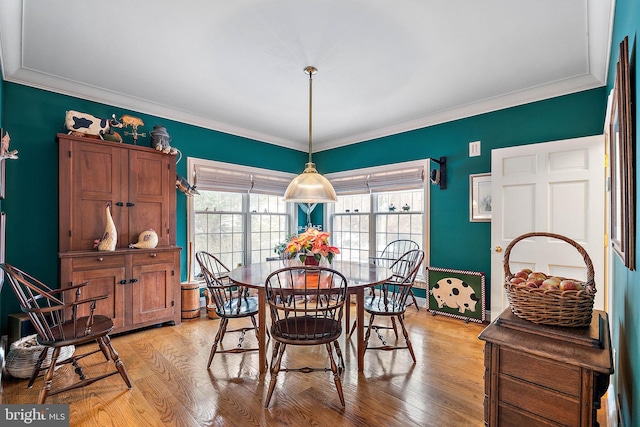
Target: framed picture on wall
(457,293)
(622,161)
(480,192)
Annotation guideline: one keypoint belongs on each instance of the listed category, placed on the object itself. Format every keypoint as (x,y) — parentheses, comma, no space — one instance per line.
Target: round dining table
(359,276)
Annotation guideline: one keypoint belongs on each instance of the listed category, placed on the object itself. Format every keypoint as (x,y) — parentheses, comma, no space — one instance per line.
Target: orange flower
(312,242)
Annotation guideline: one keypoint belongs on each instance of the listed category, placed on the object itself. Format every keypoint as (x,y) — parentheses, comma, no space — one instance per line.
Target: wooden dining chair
(231,302)
(388,256)
(391,253)
(390,300)
(54,315)
(306,305)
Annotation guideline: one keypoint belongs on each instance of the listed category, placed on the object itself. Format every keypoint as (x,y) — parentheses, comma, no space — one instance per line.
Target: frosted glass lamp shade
(310,187)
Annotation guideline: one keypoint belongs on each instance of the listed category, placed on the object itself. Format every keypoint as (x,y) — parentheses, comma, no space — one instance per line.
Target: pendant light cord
(310,116)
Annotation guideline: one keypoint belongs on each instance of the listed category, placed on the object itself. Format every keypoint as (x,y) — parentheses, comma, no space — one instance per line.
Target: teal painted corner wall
(625,286)
(455,242)
(34,117)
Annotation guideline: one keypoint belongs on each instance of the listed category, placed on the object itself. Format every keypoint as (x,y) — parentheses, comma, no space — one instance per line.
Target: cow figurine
(454,293)
(85,124)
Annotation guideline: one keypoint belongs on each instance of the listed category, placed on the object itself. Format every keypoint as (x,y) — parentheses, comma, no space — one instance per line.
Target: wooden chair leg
(353,328)
(406,338)
(48,377)
(336,374)
(341,365)
(368,333)
(415,301)
(37,367)
(221,329)
(274,355)
(116,360)
(274,375)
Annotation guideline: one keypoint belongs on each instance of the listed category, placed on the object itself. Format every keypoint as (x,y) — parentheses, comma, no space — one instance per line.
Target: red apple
(516,280)
(551,283)
(531,284)
(568,285)
(537,275)
(521,274)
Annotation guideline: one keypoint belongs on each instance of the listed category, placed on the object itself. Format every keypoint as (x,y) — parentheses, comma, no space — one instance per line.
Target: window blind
(402,177)
(395,180)
(213,177)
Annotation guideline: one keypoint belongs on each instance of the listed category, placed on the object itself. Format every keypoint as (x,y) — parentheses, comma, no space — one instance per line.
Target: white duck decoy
(109,239)
(148,239)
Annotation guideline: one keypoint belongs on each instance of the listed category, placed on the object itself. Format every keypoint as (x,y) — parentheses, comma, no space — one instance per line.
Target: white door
(555,187)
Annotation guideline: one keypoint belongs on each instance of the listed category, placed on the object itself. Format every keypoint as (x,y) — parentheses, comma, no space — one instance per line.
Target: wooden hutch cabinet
(139,182)
(537,375)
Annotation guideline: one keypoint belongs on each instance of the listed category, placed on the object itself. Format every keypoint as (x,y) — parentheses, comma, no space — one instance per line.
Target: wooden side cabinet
(139,183)
(538,375)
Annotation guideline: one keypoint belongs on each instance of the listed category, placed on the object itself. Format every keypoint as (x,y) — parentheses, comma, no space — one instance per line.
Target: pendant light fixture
(310,186)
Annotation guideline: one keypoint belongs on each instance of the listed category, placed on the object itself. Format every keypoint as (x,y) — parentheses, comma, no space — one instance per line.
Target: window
(376,206)
(240,214)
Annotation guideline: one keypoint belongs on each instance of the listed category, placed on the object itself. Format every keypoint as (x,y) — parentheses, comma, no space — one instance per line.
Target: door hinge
(173,272)
(69,233)
(606,240)
(69,153)
(606,161)
(173,303)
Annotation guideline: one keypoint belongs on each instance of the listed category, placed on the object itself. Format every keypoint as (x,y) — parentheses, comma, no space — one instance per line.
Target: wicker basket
(571,308)
(24,353)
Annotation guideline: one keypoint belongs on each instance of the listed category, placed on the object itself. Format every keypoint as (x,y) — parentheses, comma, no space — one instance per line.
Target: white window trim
(356,173)
(292,208)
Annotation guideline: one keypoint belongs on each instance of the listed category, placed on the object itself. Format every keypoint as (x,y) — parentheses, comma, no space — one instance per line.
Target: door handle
(498,248)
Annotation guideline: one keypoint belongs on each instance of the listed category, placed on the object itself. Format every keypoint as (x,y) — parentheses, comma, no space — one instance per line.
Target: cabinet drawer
(539,401)
(98,261)
(561,377)
(152,258)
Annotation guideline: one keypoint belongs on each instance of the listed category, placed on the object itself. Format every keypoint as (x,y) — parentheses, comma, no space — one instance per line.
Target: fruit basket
(549,304)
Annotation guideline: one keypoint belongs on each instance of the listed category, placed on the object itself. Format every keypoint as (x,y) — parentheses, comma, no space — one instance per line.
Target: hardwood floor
(171,385)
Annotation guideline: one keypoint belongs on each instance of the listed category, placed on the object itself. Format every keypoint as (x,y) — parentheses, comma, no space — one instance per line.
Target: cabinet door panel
(103,282)
(153,293)
(95,180)
(151,177)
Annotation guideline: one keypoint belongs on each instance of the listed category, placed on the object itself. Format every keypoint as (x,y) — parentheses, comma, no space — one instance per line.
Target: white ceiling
(236,66)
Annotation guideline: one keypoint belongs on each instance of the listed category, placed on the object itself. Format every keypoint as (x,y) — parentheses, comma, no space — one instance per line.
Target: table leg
(360,329)
(262,329)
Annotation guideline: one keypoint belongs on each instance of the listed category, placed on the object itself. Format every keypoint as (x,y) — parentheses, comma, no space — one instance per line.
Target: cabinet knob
(129,204)
(153,255)
(498,248)
(100,259)
(119,204)
(123,282)
(133,280)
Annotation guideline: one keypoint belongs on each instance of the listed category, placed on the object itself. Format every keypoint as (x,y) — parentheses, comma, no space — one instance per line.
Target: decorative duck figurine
(148,239)
(109,239)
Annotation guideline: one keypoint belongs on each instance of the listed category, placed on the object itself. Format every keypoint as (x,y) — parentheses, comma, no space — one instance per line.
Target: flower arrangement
(312,243)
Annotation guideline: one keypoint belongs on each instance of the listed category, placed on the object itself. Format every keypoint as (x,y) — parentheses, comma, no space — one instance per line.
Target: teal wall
(625,321)
(34,117)
(456,242)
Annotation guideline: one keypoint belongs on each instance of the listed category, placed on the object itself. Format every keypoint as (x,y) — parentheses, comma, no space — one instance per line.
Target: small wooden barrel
(190,301)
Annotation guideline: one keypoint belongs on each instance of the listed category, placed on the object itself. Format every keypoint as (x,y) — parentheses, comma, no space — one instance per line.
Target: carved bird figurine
(148,239)
(109,239)
(4,148)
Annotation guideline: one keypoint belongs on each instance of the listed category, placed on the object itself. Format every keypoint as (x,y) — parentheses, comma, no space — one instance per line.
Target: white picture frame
(480,197)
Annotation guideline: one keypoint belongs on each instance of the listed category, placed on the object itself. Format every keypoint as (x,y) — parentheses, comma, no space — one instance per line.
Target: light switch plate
(474,149)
